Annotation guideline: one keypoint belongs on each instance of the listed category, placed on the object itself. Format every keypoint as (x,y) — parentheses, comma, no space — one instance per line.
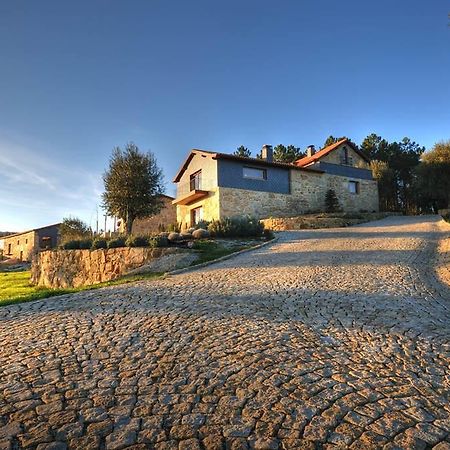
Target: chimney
(267,153)
(310,150)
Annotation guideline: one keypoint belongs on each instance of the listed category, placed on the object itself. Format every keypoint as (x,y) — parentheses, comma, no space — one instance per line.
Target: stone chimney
(310,150)
(267,153)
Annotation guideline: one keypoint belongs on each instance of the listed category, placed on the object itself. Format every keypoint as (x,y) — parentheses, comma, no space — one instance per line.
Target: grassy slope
(15,287)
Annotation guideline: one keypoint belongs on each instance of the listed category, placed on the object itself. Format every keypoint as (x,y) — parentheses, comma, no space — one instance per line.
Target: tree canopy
(287,154)
(73,228)
(243,151)
(133,185)
(433,177)
(402,158)
(331,140)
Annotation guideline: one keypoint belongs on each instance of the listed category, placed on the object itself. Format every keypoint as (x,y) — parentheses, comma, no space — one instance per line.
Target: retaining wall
(75,268)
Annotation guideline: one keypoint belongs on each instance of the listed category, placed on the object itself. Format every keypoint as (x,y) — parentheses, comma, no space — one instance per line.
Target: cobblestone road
(326,339)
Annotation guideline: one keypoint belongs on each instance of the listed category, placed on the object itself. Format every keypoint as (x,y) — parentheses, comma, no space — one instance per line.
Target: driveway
(326,339)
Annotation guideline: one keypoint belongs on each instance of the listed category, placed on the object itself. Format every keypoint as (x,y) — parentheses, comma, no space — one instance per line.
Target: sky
(80,78)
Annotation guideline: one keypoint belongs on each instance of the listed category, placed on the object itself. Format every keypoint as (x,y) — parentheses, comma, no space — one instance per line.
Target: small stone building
(152,224)
(212,185)
(23,245)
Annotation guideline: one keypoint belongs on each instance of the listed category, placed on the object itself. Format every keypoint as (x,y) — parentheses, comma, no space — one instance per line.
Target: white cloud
(36,190)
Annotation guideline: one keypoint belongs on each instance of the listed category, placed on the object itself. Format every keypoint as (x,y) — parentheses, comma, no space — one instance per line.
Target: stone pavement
(326,339)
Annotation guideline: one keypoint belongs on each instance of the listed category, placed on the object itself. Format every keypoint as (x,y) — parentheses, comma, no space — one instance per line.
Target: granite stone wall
(75,268)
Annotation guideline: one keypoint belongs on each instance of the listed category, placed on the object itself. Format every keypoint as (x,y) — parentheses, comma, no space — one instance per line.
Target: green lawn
(15,287)
(210,250)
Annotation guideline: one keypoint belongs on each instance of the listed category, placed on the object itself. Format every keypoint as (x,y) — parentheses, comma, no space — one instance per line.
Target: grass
(210,250)
(15,287)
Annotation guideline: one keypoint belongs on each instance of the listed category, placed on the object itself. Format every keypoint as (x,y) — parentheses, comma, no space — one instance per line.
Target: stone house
(152,224)
(212,185)
(23,245)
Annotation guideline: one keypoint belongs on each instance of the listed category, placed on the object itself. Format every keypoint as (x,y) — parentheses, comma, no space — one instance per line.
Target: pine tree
(331,201)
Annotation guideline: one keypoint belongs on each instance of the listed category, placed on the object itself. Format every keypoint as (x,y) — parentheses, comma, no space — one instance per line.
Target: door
(196,215)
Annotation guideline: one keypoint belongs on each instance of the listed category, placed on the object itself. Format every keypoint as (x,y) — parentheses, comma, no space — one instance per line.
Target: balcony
(192,191)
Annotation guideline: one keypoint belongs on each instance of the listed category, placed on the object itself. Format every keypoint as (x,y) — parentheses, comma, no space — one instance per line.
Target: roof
(302,162)
(217,155)
(29,231)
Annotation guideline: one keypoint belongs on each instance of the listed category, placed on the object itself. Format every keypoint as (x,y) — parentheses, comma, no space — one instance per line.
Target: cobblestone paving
(326,339)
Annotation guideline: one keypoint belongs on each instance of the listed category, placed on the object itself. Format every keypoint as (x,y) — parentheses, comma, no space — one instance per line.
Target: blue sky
(78,78)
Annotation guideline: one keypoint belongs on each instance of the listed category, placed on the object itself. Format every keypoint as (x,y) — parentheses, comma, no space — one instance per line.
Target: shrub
(200,234)
(202,224)
(116,243)
(85,244)
(136,241)
(173,228)
(99,243)
(245,226)
(158,241)
(268,234)
(331,201)
(72,245)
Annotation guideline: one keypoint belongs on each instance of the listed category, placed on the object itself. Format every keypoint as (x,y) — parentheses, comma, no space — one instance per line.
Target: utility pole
(96,232)
(105,223)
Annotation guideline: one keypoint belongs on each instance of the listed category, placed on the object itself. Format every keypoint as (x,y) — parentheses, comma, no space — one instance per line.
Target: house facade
(22,245)
(153,224)
(213,185)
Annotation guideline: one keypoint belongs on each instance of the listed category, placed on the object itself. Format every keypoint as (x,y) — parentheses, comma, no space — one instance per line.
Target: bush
(85,244)
(200,234)
(268,234)
(99,243)
(246,226)
(136,241)
(158,241)
(72,245)
(331,201)
(203,224)
(116,243)
(173,228)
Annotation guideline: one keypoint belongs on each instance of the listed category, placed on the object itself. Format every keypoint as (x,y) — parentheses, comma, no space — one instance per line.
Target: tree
(331,201)
(402,157)
(332,140)
(386,184)
(133,185)
(433,177)
(243,151)
(73,228)
(287,154)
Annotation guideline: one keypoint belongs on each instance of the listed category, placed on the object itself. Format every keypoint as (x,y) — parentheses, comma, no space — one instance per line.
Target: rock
(174,237)
(200,234)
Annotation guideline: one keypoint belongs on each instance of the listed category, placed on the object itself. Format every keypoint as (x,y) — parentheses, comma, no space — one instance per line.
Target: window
(353,187)
(18,242)
(196,181)
(196,215)
(254,173)
(26,241)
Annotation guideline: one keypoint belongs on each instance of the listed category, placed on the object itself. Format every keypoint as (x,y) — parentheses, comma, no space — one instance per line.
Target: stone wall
(75,268)
(314,221)
(307,195)
(166,216)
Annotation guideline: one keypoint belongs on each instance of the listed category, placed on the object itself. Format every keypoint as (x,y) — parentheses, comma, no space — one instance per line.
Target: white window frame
(250,177)
(356,185)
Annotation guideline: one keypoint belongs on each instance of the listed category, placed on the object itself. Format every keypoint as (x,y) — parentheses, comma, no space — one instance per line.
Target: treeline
(409,178)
